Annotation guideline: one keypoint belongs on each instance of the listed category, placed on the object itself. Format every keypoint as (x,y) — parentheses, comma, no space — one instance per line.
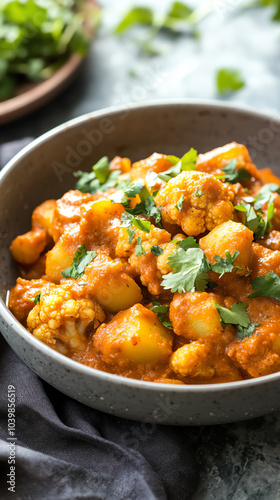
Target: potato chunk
(198,213)
(133,336)
(26,248)
(229,236)
(195,317)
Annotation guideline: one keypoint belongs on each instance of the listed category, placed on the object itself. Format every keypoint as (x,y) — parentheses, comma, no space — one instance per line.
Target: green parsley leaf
(131,234)
(189,271)
(225,265)
(245,332)
(188,242)
(198,193)
(156,250)
(162,312)
(139,250)
(266,286)
(187,162)
(37,298)
(236,315)
(178,12)
(229,80)
(82,258)
(179,205)
(137,15)
(232,176)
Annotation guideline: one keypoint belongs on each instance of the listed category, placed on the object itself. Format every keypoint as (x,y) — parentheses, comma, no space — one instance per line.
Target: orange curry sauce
(114,308)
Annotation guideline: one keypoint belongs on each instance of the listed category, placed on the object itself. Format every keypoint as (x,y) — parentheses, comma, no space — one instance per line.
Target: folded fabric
(67,451)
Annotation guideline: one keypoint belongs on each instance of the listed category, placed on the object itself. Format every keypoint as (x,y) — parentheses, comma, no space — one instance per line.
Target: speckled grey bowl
(44,170)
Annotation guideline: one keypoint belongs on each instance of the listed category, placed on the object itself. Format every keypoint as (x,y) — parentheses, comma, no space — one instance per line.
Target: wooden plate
(33,95)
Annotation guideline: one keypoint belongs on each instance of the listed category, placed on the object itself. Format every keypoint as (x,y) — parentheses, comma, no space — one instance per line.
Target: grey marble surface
(238,461)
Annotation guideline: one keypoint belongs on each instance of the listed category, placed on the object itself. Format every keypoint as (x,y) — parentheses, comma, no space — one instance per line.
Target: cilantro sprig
(238,317)
(266,286)
(232,176)
(189,271)
(162,312)
(82,258)
(139,250)
(100,179)
(225,265)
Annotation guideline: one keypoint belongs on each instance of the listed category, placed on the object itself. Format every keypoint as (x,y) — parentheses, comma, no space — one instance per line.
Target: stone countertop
(238,461)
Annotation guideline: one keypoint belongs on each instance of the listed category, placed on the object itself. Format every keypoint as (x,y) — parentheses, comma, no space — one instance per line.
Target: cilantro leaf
(139,250)
(266,286)
(198,193)
(189,271)
(82,258)
(179,204)
(137,15)
(156,250)
(245,332)
(129,220)
(188,242)
(162,312)
(236,315)
(264,195)
(187,162)
(134,188)
(37,298)
(100,179)
(232,176)
(229,80)
(225,265)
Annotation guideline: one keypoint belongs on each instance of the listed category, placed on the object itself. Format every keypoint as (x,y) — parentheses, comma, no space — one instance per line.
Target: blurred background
(182,60)
(219,49)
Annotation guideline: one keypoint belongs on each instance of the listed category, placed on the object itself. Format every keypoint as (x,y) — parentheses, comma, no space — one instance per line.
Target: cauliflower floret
(203,360)
(206,202)
(61,321)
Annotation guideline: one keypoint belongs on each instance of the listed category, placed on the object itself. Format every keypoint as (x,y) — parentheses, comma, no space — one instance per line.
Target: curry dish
(167,270)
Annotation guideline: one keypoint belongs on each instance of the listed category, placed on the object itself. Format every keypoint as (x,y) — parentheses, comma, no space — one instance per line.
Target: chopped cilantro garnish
(139,250)
(134,188)
(264,195)
(156,250)
(232,176)
(225,265)
(188,242)
(179,205)
(245,332)
(236,315)
(198,193)
(189,271)
(266,286)
(100,179)
(37,298)
(255,221)
(128,220)
(229,80)
(82,258)
(162,312)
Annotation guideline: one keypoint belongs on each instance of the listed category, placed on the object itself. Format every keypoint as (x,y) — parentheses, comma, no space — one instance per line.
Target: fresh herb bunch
(36,37)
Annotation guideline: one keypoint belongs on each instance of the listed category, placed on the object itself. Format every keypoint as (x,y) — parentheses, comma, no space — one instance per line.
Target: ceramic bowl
(44,170)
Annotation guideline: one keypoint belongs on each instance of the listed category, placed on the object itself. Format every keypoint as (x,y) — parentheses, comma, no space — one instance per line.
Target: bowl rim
(82,369)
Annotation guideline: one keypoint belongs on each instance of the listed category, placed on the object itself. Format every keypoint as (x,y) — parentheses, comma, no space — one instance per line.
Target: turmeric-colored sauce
(167,270)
